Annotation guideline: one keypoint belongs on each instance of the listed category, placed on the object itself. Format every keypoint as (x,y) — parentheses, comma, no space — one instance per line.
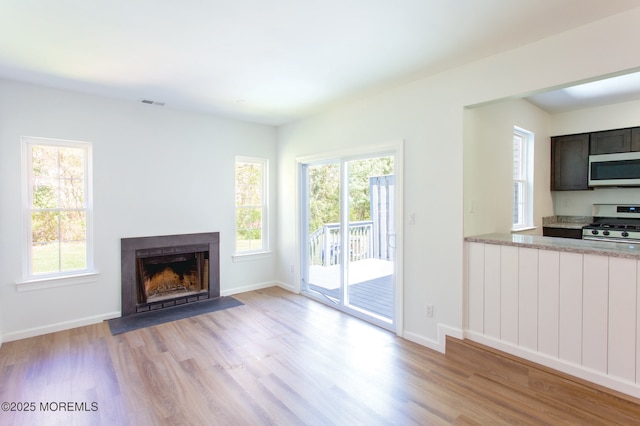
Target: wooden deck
(370,285)
(375,295)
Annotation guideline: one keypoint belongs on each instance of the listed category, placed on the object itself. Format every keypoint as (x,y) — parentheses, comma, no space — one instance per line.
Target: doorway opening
(349,240)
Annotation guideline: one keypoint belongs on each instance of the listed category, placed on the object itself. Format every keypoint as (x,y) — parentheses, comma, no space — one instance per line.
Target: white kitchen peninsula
(571,305)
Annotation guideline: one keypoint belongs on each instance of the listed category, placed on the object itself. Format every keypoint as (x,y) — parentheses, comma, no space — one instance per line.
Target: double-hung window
(57,208)
(251,176)
(522,179)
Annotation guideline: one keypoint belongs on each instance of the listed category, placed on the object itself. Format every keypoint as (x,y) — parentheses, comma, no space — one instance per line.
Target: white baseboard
(439,344)
(572,369)
(66,325)
(52,328)
(252,287)
(288,287)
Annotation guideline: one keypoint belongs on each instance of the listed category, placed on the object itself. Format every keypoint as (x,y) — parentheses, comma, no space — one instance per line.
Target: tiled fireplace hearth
(165,271)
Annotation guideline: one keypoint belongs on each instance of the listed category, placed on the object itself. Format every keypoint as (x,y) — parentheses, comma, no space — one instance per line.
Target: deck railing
(325,247)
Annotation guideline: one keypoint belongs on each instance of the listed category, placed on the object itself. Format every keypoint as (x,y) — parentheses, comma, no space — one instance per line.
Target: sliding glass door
(348,229)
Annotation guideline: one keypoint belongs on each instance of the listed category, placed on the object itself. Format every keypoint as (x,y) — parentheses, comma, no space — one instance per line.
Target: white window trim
(264,251)
(53,282)
(527,160)
(247,256)
(56,279)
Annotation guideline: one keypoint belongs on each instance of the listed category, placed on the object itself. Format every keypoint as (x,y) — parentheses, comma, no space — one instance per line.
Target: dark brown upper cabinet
(570,162)
(635,139)
(610,141)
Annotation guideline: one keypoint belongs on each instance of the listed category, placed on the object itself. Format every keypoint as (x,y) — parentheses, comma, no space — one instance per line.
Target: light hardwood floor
(282,359)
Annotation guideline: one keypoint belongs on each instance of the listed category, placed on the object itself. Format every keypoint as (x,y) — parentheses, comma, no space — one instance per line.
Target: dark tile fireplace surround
(170,270)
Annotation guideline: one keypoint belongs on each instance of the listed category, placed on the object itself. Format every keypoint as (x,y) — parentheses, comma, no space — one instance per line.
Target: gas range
(615,223)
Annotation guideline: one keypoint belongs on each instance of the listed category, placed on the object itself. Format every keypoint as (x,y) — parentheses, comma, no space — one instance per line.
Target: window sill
(244,257)
(53,282)
(526,228)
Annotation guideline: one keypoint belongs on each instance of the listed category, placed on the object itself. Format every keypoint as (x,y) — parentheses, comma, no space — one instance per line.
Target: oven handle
(611,240)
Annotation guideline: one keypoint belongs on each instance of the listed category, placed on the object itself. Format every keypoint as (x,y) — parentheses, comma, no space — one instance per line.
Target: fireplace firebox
(164,271)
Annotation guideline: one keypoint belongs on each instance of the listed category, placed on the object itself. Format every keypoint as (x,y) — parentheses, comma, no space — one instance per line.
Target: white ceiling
(265,61)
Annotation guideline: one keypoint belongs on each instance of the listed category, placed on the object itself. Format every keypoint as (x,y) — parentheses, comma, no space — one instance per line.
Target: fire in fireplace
(170,276)
(164,271)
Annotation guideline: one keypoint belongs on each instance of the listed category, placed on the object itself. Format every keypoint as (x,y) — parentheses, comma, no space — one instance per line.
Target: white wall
(608,117)
(401,114)
(156,172)
(488,165)
(428,115)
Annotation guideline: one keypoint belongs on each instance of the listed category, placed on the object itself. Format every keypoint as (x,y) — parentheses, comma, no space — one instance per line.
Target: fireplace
(164,271)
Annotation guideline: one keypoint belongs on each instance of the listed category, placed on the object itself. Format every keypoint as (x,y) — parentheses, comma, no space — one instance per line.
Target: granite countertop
(602,248)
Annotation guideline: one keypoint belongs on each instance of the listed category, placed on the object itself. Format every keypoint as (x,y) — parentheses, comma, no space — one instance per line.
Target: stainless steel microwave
(620,169)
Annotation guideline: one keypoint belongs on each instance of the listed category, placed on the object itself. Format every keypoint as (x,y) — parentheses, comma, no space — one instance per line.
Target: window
(522,179)
(251,205)
(58,207)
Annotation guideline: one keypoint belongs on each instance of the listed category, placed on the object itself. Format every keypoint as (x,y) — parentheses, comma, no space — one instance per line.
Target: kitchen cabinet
(610,141)
(635,139)
(570,162)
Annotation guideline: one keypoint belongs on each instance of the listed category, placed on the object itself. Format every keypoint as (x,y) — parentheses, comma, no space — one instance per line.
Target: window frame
(525,180)
(55,278)
(264,207)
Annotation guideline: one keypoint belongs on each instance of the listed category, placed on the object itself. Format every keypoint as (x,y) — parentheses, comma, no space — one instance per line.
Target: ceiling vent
(149,102)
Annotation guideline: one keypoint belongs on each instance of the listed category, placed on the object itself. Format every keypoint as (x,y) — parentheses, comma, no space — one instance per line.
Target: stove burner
(614,223)
(613,232)
(614,226)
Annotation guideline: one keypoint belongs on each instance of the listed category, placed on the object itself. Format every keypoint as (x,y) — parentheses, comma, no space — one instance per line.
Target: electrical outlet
(428,310)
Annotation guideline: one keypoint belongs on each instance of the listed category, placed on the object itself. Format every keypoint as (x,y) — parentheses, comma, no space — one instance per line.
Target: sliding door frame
(395,148)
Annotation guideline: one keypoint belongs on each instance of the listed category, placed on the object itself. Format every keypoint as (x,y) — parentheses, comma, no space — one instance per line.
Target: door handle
(391,238)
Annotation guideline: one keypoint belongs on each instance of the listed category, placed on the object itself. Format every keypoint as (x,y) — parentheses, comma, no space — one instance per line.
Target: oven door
(605,239)
(586,235)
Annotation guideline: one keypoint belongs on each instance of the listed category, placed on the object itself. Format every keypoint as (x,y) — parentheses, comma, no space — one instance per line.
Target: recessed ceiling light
(608,86)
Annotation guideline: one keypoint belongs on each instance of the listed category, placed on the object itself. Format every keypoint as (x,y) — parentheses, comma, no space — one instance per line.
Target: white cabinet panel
(548,301)
(581,309)
(595,312)
(475,290)
(570,307)
(622,318)
(528,298)
(509,294)
(492,290)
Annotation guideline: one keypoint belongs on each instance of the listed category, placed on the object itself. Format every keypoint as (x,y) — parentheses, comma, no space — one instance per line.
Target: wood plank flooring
(281,359)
